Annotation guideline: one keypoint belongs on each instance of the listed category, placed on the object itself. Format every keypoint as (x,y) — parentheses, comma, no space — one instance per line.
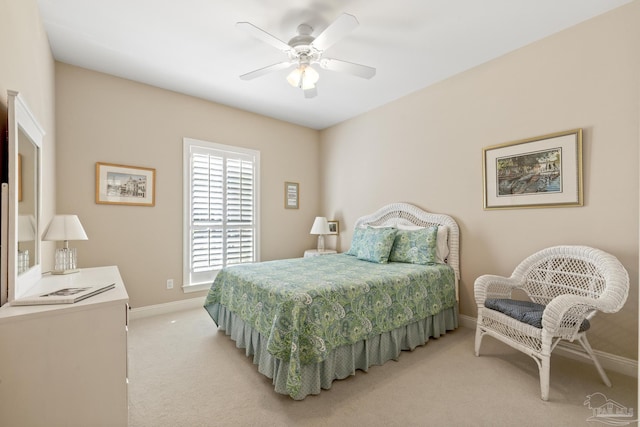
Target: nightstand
(314,252)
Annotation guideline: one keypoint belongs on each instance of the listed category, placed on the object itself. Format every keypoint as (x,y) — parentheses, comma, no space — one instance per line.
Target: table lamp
(65,228)
(26,233)
(320,227)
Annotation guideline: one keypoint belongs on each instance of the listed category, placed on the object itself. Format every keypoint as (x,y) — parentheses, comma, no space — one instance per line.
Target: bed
(309,321)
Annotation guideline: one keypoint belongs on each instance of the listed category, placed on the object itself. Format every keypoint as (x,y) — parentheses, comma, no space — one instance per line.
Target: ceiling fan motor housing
(301,46)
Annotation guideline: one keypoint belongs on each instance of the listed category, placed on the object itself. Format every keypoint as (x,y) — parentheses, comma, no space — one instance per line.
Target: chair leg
(545,367)
(587,347)
(479,335)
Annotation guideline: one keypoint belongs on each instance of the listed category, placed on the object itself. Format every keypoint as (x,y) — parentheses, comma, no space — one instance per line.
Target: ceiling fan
(304,50)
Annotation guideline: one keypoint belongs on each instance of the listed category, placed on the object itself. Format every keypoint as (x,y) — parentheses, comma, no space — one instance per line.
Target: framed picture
(125,185)
(334,227)
(545,171)
(291,195)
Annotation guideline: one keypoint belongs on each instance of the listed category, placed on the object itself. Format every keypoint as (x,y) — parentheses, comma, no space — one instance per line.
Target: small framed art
(545,171)
(291,195)
(125,185)
(334,227)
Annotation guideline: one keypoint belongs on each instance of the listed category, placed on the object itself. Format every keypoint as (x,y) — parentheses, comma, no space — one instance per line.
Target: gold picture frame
(125,185)
(291,195)
(539,172)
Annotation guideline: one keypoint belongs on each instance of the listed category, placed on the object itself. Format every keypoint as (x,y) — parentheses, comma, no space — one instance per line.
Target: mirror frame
(21,118)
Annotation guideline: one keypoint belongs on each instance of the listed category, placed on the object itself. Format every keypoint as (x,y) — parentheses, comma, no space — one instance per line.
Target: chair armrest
(491,286)
(567,312)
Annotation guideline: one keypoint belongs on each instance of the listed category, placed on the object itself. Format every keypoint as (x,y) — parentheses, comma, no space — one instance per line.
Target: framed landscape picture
(125,185)
(545,171)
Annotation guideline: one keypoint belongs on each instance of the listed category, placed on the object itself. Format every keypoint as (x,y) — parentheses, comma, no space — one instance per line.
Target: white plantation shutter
(221,212)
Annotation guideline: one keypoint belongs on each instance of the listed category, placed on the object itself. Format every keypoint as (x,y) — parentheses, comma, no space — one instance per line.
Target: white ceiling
(193,46)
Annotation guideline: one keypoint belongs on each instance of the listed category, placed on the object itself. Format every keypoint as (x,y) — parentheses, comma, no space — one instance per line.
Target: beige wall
(102,118)
(426,149)
(27,66)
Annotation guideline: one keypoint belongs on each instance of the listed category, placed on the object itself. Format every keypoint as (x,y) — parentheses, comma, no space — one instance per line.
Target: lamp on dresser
(26,233)
(65,228)
(320,227)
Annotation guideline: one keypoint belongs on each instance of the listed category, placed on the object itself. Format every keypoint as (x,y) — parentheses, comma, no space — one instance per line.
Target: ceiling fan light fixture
(306,85)
(304,77)
(294,77)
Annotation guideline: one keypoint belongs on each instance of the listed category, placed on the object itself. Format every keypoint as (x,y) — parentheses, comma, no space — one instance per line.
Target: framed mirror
(24,200)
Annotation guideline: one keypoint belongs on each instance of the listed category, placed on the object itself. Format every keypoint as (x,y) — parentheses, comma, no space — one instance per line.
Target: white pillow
(442,243)
(409,227)
(442,246)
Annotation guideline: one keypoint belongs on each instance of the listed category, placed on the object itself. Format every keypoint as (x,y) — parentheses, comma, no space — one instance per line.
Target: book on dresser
(64,295)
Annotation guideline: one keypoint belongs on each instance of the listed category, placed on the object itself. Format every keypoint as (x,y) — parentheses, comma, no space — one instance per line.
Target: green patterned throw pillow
(415,246)
(356,240)
(375,244)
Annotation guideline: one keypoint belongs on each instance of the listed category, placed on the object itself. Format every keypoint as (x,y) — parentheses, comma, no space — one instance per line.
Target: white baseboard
(467,321)
(609,361)
(169,307)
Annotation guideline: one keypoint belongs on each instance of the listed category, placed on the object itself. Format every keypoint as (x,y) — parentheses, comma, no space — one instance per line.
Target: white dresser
(66,364)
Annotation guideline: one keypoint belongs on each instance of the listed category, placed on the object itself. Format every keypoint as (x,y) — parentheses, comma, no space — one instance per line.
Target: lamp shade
(304,77)
(320,226)
(65,227)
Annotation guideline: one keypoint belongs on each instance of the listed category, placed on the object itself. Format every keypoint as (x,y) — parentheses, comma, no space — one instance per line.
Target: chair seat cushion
(525,311)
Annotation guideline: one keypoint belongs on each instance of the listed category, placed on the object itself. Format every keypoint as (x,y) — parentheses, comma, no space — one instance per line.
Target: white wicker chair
(572,282)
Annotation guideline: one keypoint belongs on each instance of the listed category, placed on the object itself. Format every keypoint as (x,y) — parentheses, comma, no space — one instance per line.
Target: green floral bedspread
(307,307)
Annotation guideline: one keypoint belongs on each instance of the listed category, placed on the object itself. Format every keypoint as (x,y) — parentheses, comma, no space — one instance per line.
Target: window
(221,210)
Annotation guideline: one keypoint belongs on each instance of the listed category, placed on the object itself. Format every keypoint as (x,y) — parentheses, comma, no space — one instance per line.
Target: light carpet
(183,371)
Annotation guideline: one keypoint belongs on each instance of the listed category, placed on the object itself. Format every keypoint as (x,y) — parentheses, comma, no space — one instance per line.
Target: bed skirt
(341,362)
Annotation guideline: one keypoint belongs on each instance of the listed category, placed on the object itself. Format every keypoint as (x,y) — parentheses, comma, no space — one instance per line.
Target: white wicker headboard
(407,214)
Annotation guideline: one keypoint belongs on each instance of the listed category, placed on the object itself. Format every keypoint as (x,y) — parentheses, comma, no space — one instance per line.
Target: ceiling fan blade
(261,34)
(266,70)
(348,67)
(334,32)
(311,93)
